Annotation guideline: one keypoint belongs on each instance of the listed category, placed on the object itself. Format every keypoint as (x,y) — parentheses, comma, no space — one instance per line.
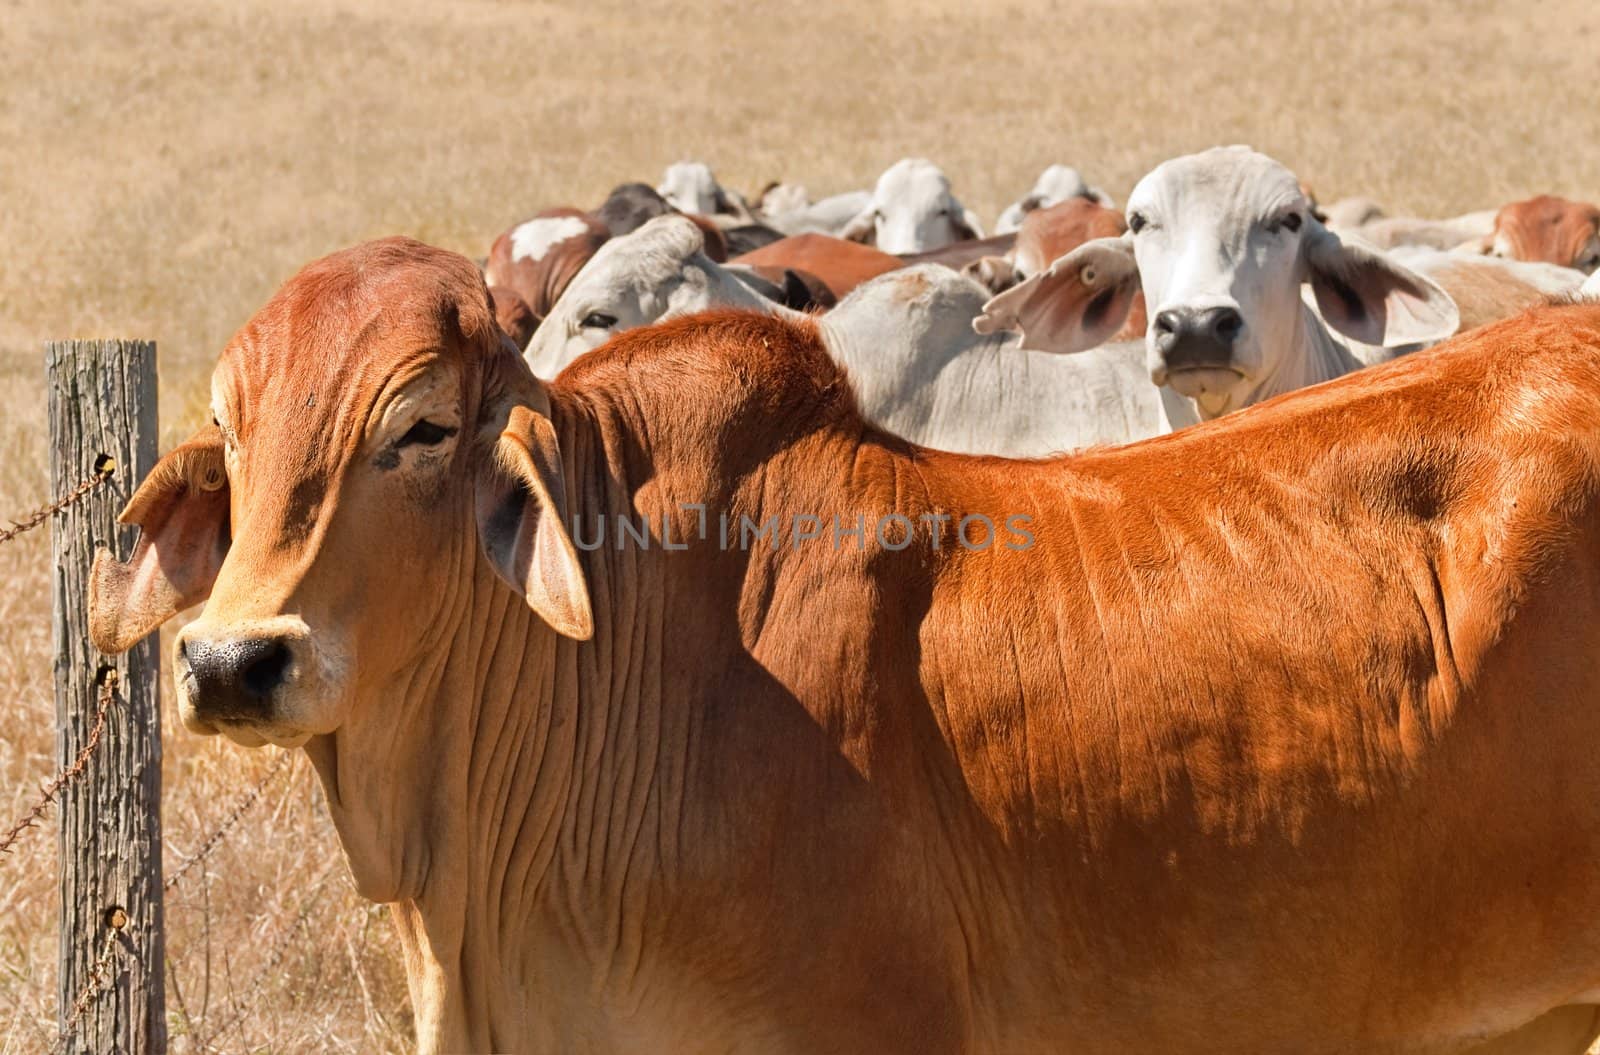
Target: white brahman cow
(1056,184)
(913,211)
(659,271)
(691,187)
(1221,243)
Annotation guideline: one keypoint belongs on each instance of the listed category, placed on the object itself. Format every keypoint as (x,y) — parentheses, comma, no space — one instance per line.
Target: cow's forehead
(354,318)
(914,173)
(646,258)
(1224,178)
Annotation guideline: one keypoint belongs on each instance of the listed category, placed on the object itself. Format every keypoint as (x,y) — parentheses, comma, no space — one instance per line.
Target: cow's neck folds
(464,802)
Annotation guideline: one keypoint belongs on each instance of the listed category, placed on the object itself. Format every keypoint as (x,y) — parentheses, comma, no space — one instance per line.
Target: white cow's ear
(522,513)
(679,237)
(181,510)
(863,227)
(968,226)
(1365,295)
(1075,304)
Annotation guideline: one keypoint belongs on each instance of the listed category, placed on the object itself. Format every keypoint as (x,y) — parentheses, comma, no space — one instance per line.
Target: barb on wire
(240,808)
(104,467)
(99,977)
(47,795)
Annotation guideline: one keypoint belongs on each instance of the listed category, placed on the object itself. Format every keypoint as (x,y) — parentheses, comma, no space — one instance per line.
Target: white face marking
(1219,255)
(533,239)
(914,209)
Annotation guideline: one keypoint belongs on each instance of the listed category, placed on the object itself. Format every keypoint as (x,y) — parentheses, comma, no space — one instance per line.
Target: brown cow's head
(517,321)
(363,420)
(1548,229)
(1050,233)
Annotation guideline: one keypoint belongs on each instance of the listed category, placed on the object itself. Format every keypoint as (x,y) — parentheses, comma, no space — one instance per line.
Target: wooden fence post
(103,403)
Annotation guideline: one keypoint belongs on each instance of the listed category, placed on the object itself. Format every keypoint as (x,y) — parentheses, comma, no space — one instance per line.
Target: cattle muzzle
(235,679)
(246,677)
(1197,338)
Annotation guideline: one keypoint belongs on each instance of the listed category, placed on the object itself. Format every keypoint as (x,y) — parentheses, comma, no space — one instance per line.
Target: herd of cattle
(937,323)
(1280,733)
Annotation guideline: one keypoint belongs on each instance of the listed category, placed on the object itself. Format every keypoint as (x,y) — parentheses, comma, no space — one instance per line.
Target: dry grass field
(164,166)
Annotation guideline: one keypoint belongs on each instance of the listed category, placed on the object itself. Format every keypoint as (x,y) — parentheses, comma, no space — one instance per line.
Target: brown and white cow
(1277,734)
(538,257)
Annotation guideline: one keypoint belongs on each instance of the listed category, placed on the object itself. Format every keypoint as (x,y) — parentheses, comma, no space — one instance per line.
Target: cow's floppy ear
(522,515)
(863,227)
(1100,198)
(1365,295)
(678,235)
(968,226)
(181,511)
(1075,304)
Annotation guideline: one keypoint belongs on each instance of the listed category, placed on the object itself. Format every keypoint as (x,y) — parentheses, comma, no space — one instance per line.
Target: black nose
(235,678)
(1197,337)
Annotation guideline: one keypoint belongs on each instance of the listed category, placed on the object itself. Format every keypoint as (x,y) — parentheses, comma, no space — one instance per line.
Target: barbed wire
(104,467)
(240,808)
(246,1001)
(99,976)
(100,971)
(47,794)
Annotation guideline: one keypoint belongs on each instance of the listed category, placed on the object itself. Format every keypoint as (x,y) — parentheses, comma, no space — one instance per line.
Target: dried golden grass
(168,165)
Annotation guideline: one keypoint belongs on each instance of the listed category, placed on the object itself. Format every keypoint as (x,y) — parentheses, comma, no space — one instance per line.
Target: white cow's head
(690,186)
(1056,184)
(1221,243)
(912,211)
(659,271)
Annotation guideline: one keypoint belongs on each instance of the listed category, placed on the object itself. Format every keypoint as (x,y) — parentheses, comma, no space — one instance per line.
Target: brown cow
(1276,734)
(840,264)
(537,258)
(516,319)
(1050,233)
(1548,229)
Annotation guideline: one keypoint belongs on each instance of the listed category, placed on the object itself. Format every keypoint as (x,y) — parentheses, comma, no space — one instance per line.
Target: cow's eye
(1136,222)
(426,434)
(1292,221)
(598,320)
